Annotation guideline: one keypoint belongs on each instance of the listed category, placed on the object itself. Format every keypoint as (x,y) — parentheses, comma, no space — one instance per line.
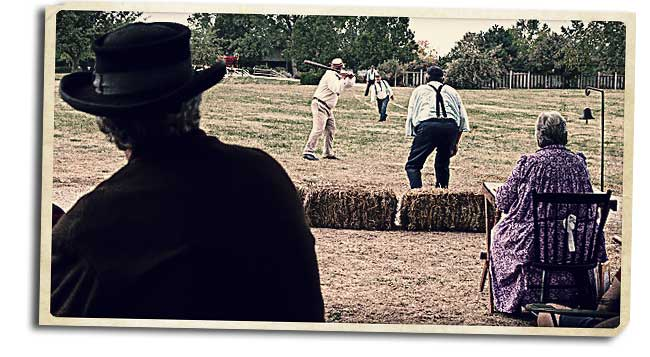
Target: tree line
(531,46)
(362,41)
(76,31)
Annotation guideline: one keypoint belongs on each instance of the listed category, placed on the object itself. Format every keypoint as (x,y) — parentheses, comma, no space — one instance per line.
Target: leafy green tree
(426,57)
(243,35)
(378,39)
(360,41)
(471,65)
(504,44)
(598,46)
(316,38)
(532,46)
(510,47)
(204,42)
(613,46)
(546,54)
(76,31)
(523,34)
(391,70)
(281,36)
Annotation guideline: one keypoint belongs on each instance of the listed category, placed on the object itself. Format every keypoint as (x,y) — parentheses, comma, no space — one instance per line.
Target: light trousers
(323,124)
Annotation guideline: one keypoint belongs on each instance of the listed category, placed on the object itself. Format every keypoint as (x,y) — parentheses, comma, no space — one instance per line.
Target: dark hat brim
(77,90)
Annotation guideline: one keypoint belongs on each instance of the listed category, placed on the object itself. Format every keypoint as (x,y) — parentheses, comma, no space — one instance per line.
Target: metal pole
(588,90)
(602,140)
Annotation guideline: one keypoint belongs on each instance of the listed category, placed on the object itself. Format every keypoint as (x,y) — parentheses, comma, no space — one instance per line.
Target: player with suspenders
(433,131)
(383,94)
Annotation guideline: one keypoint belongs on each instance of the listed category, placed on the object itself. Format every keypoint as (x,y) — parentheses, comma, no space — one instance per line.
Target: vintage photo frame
(624,201)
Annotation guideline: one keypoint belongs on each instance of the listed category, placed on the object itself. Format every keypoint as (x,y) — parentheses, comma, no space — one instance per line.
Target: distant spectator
(371,74)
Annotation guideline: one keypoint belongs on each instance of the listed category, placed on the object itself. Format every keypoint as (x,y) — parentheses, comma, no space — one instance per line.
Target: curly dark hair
(128,133)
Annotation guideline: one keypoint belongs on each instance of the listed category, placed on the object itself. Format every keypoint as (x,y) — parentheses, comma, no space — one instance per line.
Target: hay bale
(442,210)
(303,194)
(351,208)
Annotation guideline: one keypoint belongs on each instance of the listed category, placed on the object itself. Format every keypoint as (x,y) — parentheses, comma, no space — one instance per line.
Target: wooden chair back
(555,214)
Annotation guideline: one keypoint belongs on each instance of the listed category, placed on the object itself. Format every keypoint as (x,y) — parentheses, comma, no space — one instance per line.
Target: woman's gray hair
(129,133)
(551,129)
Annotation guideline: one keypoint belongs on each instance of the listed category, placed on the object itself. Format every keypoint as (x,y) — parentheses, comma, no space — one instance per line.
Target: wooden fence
(527,80)
(414,79)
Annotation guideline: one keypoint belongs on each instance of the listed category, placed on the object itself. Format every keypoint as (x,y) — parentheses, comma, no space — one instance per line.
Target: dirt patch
(404,277)
(407,277)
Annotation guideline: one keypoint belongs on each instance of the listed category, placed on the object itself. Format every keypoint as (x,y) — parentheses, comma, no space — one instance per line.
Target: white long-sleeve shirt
(330,87)
(381,89)
(422,106)
(370,74)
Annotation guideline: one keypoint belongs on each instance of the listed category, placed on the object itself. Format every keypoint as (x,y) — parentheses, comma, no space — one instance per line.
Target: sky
(442,34)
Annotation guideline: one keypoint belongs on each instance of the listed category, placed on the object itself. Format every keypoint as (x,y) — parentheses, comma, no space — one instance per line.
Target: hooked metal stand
(588,115)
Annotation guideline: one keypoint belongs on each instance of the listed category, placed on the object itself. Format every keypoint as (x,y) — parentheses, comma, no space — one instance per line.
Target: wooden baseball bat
(319,65)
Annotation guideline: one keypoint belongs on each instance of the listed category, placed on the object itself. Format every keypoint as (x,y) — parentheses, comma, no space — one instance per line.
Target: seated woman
(552,169)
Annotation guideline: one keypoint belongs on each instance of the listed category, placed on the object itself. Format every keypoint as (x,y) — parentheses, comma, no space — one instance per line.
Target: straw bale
(303,193)
(303,196)
(442,210)
(351,208)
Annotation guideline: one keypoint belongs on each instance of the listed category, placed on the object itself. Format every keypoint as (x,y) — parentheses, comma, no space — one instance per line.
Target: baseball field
(375,276)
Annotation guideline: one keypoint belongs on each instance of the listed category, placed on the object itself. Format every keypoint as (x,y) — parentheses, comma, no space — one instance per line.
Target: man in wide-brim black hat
(189,228)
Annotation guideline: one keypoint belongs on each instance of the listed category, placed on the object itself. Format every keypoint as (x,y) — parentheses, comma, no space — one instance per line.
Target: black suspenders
(439,101)
(380,86)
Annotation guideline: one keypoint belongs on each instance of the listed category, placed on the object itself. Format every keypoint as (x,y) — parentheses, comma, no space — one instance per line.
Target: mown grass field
(379,277)
(277,118)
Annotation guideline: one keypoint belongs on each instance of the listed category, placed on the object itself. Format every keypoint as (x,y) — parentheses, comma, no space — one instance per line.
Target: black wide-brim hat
(139,68)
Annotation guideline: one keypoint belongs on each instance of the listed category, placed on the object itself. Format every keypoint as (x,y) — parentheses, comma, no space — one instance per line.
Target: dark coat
(189,229)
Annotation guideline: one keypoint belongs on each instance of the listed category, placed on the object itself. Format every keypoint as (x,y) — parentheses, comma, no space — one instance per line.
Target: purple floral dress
(552,169)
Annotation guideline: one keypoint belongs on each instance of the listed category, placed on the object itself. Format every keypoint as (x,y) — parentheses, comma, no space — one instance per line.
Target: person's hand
(454,150)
